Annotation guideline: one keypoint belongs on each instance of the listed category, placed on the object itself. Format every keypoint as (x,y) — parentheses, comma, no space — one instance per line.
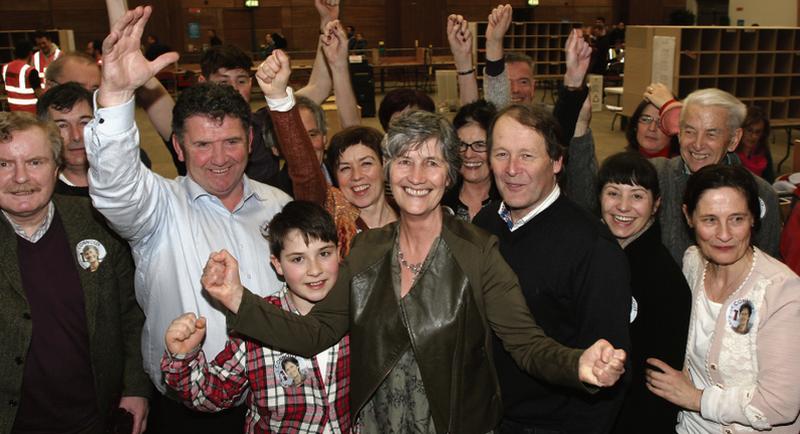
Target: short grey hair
(411,129)
(316,110)
(713,97)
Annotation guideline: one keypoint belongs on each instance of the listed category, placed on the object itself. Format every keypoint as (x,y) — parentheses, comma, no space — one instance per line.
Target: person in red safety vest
(22,81)
(48,52)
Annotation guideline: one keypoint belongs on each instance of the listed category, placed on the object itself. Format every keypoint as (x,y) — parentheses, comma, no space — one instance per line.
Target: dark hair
(746,306)
(629,168)
(97,45)
(310,219)
(350,136)
(289,359)
(398,99)
(755,115)
(719,176)
(40,34)
(224,56)
(210,100)
(536,118)
(633,129)
(279,41)
(22,49)
(62,98)
(480,112)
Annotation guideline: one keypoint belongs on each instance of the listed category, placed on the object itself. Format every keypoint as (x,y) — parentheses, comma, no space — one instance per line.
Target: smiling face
(722,225)
(522,83)
(215,153)
(705,137)
(70,124)
(310,270)
(419,179)
(474,165)
(237,78)
(648,135)
(318,140)
(523,171)
(626,209)
(27,176)
(360,176)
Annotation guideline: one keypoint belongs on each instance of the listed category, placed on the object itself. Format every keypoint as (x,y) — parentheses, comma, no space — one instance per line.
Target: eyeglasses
(647,120)
(478,146)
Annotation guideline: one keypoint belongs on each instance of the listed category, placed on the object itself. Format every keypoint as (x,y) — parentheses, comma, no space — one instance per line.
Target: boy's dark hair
(629,168)
(224,56)
(22,49)
(310,219)
(211,100)
(398,99)
(62,98)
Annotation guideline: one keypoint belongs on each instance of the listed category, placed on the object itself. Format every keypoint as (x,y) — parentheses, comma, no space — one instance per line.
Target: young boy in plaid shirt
(285,393)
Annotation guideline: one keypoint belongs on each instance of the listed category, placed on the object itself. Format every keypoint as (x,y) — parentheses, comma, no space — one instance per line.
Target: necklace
(414,268)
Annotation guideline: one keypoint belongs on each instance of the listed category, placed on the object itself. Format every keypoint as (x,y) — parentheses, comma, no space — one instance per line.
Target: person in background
(94,48)
(754,150)
(736,377)
(398,101)
(22,82)
(661,300)
(279,397)
(475,187)
(644,134)
(47,53)
(213,39)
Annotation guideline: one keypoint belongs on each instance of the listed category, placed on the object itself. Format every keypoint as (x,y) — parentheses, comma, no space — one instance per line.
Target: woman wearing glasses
(475,187)
(646,131)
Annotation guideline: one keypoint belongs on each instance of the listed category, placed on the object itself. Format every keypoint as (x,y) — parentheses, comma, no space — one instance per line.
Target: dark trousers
(171,417)
(511,427)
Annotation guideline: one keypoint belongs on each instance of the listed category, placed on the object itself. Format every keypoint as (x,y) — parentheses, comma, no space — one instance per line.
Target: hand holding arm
(319,84)
(139,408)
(221,280)
(499,22)
(578,57)
(125,68)
(460,39)
(334,44)
(601,364)
(673,385)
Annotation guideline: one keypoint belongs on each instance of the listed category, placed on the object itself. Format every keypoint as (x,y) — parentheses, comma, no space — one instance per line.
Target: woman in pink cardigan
(743,348)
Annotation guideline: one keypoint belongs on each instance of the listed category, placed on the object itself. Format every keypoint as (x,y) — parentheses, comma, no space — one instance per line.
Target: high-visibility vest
(20,93)
(40,61)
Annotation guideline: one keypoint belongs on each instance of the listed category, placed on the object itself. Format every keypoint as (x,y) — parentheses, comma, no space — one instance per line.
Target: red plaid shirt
(246,366)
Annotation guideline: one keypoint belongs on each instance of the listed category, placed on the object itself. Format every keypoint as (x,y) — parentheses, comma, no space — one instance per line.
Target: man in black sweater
(573,273)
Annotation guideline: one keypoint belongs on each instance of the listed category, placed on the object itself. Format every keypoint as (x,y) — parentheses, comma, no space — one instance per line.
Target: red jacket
(17,78)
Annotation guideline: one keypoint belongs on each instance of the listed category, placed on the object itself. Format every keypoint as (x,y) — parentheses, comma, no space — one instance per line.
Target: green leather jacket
(447,317)
(114,319)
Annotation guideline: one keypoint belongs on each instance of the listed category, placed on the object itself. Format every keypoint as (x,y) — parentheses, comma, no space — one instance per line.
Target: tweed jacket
(114,319)
(451,313)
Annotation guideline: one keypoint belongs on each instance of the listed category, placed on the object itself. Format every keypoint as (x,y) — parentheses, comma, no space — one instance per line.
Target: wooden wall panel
(27,20)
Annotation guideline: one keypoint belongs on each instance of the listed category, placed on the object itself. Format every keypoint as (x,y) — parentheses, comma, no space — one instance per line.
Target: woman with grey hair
(421,298)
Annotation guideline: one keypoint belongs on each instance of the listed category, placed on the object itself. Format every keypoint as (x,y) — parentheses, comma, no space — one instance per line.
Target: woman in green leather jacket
(420,298)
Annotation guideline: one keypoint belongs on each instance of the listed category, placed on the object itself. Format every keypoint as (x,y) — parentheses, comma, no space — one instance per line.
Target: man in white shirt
(173,225)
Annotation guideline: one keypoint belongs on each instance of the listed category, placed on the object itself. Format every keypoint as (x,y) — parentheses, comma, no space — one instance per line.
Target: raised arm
(573,93)
(334,44)
(319,84)
(497,88)
(152,96)
(308,182)
(460,38)
(122,189)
